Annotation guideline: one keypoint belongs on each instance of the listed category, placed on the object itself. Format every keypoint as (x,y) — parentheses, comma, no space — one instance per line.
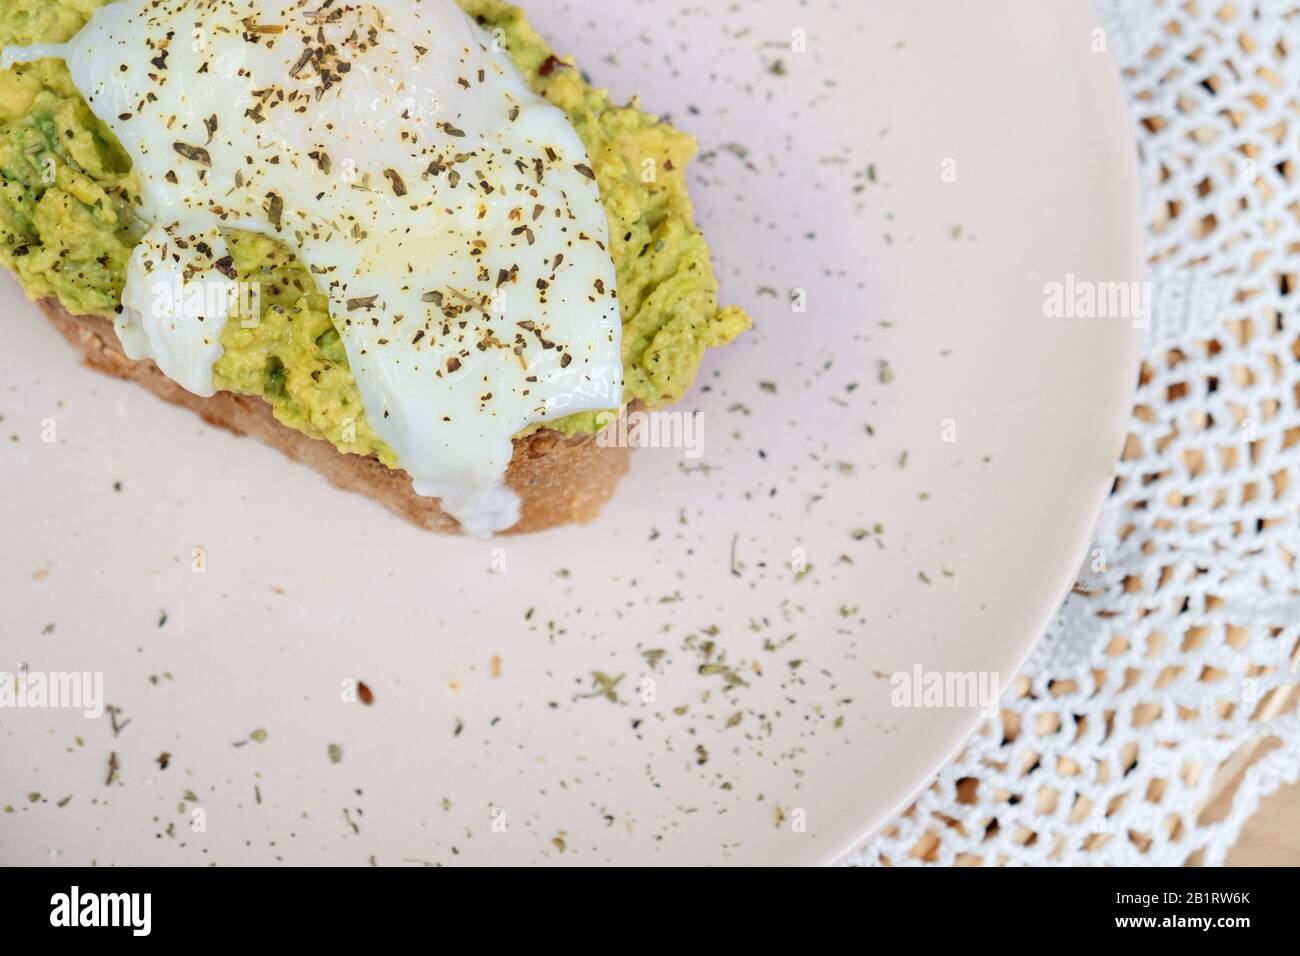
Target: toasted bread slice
(559,481)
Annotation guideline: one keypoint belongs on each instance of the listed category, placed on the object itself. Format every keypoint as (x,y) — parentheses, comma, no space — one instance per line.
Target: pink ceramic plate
(902,476)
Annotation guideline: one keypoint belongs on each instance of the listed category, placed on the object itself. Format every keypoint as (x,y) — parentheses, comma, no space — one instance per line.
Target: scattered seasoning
(276,212)
(731,678)
(164,760)
(549,65)
(335,752)
(113,767)
(558,841)
(496,665)
(886,373)
(195,153)
(258,736)
(604,686)
(113,712)
(303,59)
(399,186)
(585,170)
(364,693)
(162,618)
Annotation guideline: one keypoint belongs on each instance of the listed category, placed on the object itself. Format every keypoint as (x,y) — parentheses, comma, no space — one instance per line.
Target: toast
(559,480)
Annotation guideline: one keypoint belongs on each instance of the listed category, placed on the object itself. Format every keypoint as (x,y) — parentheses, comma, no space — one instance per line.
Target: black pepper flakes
(276,212)
(550,64)
(399,187)
(195,153)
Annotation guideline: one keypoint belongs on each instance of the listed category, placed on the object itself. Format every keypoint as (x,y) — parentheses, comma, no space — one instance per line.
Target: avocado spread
(68,227)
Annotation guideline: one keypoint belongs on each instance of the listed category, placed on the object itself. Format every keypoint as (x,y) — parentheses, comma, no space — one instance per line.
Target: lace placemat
(1169,672)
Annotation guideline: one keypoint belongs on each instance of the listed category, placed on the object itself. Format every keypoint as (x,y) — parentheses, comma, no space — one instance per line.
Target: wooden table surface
(1272,836)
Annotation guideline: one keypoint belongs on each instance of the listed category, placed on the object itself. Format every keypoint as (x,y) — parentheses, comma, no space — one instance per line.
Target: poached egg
(451,215)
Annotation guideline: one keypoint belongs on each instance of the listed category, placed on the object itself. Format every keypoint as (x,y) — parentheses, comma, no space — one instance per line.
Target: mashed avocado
(67,229)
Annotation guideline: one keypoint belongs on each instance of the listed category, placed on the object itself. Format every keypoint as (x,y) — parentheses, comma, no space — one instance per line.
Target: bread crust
(559,480)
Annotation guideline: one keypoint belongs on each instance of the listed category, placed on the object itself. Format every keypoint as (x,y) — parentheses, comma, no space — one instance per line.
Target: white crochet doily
(1171,665)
